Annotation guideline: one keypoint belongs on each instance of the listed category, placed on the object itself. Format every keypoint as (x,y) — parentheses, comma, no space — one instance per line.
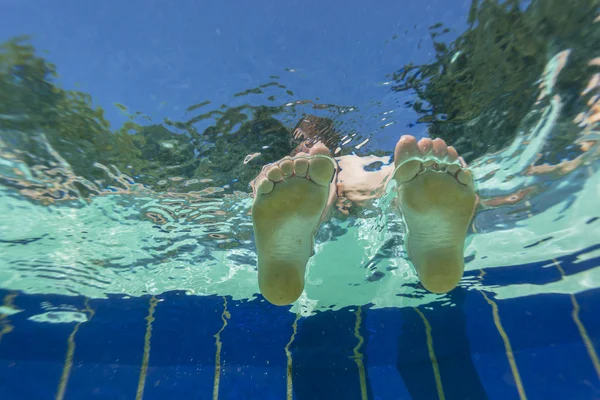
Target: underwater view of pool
(130,133)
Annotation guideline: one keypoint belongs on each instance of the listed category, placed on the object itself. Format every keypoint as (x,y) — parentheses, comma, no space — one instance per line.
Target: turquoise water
(135,240)
(126,174)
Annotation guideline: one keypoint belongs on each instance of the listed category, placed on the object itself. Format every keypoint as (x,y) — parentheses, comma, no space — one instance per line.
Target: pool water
(129,134)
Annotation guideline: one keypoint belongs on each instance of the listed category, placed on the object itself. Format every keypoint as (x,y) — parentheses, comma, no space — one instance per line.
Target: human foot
(437,199)
(290,198)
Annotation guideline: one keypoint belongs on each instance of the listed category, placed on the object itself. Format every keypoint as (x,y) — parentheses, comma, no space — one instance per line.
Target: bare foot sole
(290,198)
(437,200)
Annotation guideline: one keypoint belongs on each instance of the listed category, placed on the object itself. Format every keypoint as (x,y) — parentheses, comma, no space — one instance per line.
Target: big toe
(320,170)
(264,186)
(406,149)
(407,167)
(407,171)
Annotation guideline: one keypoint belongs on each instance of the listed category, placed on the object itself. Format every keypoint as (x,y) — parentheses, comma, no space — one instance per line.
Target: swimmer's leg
(437,199)
(291,198)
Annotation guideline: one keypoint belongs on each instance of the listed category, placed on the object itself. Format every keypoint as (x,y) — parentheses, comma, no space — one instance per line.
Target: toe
(274,173)
(452,168)
(264,186)
(466,178)
(408,170)
(301,166)
(406,148)
(439,149)
(287,167)
(320,170)
(452,154)
(425,146)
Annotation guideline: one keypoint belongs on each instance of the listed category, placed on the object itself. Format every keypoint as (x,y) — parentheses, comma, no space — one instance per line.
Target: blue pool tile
(323,362)
(386,383)
(488,352)
(102,381)
(457,376)
(26,343)
(252,382)
(182,347)
(27,355)
(589,304)
(190,382)
(253,356)
(109,348)
(538,273)
(384,326)
(550,355)
(29,380)
(533,273)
